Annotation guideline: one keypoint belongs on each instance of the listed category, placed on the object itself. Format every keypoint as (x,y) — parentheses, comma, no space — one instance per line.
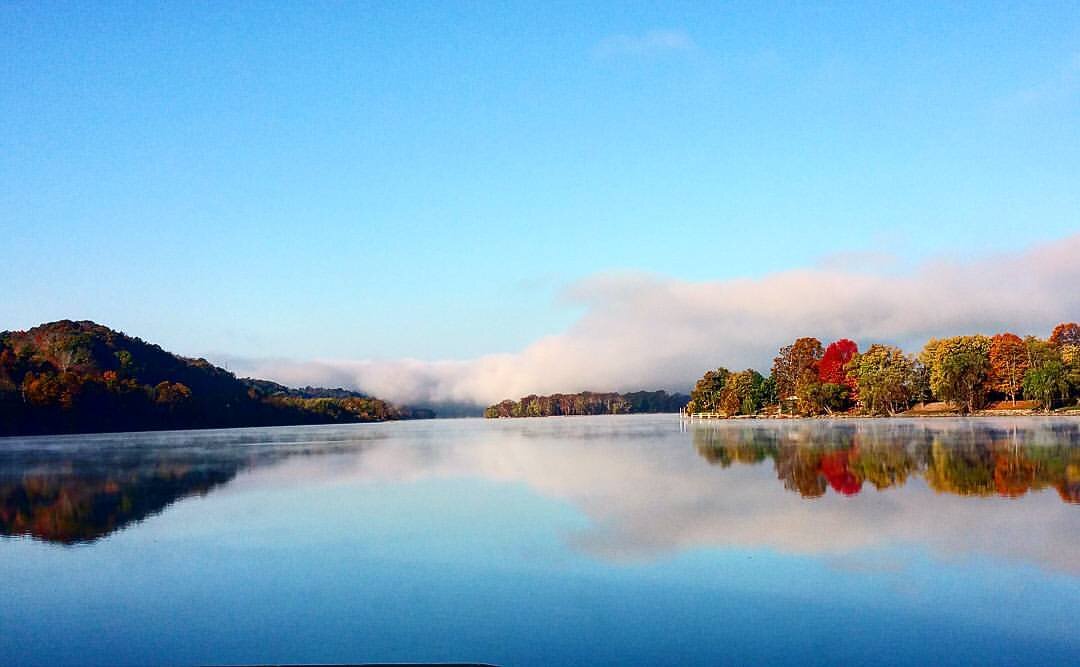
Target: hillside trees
(66,377)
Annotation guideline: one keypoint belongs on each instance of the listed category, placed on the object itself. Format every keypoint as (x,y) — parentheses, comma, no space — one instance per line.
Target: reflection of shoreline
(642,488)
(74,510)
(75,490)
(1006,462)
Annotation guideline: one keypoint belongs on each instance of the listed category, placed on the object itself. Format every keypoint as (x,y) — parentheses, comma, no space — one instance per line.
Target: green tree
(1040,351)
(1047,382)
(826,397)
(959,370)
(885,377)
(963,380)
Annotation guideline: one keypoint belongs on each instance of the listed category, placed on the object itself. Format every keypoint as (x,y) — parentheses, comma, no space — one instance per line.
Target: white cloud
(648,43)
(643,331)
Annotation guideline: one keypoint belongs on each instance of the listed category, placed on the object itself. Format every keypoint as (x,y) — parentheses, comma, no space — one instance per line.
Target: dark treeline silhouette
(79,377)
(589,403)
(992,462)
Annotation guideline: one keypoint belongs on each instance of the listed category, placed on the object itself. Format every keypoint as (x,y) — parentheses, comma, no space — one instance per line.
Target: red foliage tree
(837,355)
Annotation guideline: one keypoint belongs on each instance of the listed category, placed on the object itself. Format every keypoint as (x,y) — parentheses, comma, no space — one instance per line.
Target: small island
(82,377)
(589,403)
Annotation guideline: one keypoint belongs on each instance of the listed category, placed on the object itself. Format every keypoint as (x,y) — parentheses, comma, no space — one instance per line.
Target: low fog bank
(650,332)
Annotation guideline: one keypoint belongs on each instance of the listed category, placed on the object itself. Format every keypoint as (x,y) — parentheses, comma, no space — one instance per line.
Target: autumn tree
(41,389)
(171,394)
(7,370)
(743,393)
(885,379)
(1066,333)
(706,394)
(833,366)
(959,370)
(1008,363)
(1070,356)
(795,368)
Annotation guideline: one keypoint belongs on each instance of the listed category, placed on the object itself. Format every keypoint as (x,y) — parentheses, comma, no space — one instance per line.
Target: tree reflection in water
(78,489)
(967,460)
(70,509)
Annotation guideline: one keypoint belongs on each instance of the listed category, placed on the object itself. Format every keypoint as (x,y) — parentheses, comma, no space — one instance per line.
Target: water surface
(582,540)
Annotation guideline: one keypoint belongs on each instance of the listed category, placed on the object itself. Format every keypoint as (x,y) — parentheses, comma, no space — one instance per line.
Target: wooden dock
(703,415)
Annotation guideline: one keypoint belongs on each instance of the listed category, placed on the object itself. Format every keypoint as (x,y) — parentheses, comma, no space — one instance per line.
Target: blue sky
(398,180)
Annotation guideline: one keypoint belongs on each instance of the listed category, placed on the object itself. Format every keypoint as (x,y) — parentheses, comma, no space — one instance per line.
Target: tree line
(76,377)
(966,372)
(588,403)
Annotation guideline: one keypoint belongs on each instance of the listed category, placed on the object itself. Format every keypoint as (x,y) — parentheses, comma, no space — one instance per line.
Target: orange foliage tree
(1066,333)
(795,368)
(1008,363)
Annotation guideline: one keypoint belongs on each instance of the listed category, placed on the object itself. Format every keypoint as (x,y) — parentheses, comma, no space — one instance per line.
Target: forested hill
(589,403)
(77,377)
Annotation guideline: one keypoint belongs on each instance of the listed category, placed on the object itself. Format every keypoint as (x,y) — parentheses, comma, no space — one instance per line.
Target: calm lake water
(582,540)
